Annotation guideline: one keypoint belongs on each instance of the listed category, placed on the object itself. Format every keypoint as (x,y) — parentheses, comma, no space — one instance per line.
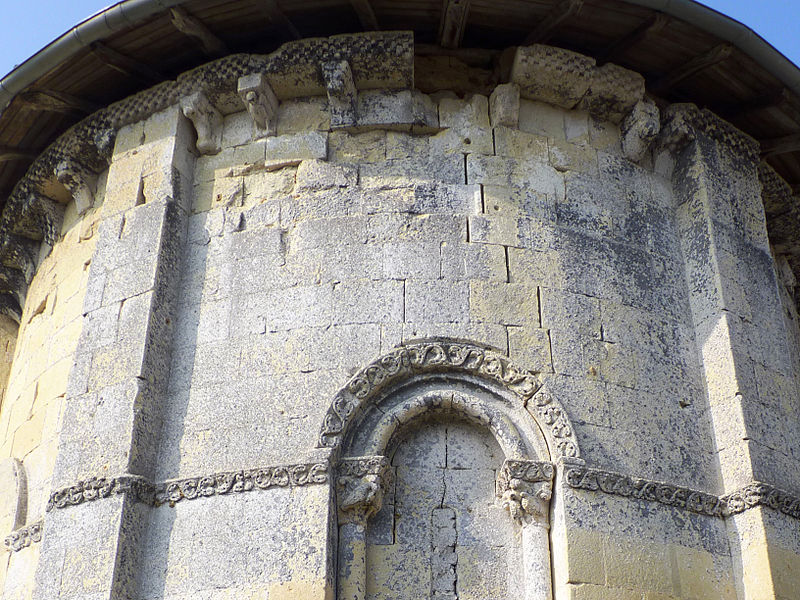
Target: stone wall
(595,295)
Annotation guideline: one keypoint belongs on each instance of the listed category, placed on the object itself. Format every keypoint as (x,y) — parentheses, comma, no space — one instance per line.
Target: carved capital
(79,181)
(639,129)
(207,121)
(260,101)
(360,486)
(342,94)
(524,488)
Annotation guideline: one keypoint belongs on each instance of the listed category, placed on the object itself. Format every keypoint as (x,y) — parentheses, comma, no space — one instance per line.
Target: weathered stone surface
(551,75)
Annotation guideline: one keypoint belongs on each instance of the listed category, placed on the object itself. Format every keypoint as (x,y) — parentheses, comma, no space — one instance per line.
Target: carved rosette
(458,357)
(360,486)
(524,489)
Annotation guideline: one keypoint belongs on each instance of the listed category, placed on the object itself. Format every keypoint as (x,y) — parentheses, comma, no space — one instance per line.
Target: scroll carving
(524,488)
(437,356)
(260,101)
(207,122)
(23,537)
(97,488)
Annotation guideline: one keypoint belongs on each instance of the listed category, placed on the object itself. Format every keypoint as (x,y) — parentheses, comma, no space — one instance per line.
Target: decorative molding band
(447,356)
(762,494)
(175,490)
(97,488)
(702,503)
(24,537)
(264,478)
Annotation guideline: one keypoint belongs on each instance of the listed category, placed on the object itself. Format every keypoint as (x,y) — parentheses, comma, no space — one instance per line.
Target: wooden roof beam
(125,64)
(699,63)
(274,13)
(561,11)
(652,25)
(453,22)
(58,102)
(366,15)
(195,28)
(7,154)
(781,145)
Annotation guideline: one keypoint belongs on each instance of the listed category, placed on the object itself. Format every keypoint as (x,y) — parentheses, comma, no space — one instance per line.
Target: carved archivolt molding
(454,357)
(23,537)
(524,488)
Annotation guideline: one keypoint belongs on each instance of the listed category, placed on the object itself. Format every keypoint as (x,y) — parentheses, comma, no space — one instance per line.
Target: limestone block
(437,301)
(399,172)
(304,114)
(518,144)
(268,187)
(530,348)
(587,591)
(605,136)
(542,266)
(531,174)
(461,261)
(411,260)
(541,119)
(369,146)
(407,110)
(237,130)
(504,105)
(565,156)
(283,150)
(518,201)
(365,301)
(612,93)
(504,303)
(487,333)
(553,75)
(319,175)
(564,310)
(632,564)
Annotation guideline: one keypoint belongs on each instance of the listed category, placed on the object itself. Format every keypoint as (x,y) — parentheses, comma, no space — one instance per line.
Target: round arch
(453,361)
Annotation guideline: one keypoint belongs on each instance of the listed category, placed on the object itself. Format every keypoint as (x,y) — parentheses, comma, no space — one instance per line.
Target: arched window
(444,479)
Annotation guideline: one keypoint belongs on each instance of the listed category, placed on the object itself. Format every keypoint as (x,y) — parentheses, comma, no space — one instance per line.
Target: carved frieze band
(750,496)
(455,357)
(23,537)
(171,491)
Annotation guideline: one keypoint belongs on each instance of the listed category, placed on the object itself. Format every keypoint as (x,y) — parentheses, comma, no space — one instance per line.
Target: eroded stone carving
(23,537)
(553,75)
(359,487)
(80,181)
(644,489)
(524,488)
(260,101)
(639,129)
(613,93)
(504,105)
(97,488)
(762,494)
(681,123)
(207,122)
(241,481)
(458,357)
(342,95)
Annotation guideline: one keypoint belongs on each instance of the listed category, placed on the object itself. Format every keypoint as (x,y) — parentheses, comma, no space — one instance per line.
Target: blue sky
(29,25)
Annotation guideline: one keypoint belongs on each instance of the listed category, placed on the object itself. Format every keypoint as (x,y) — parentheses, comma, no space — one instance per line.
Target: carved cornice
(702,503)
(23,537)
(170,492)
(682,123)
(454,357)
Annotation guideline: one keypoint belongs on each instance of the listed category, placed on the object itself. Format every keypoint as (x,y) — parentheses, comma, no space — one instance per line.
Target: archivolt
(456,359)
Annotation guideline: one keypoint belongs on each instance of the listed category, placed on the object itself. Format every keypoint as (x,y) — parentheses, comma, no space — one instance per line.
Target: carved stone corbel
(359,487)
(342,94)
(639,128)
(207,121)
(524,488)
(80,182)
(260,101)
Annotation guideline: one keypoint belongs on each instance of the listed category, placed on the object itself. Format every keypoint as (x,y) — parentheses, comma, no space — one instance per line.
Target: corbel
(207,121)
(260,101)
(639,128)
(359,487)
(80,182)
(342,95)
